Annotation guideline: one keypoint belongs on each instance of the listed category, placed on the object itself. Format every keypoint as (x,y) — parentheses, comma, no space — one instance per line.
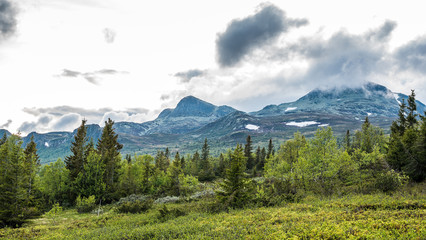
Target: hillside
(185,127)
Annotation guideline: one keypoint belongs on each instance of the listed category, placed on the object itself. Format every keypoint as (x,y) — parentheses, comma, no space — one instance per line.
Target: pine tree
(347,141)
(109,148)
(174,172)
(75,162)
(205,168)
(236,186)
(248,148)
(270,149)
(366,145)
(3,139)
(13,188)
(31,166)
(411,118)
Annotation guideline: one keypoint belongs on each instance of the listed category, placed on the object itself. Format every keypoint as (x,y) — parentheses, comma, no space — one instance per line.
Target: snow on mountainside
(369,100)
(185,127)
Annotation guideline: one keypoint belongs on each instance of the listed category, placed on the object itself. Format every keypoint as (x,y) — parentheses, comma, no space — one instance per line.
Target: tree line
(364,162)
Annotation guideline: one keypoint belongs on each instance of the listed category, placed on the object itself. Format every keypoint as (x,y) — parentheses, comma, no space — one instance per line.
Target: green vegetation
(369,186)
(375,216)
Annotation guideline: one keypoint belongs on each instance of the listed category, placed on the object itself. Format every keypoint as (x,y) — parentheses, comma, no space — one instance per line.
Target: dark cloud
(6,125)
(109,35)
(384,32)
(412,56)
(8,22)
(91,77)
(244,35)
(188,75)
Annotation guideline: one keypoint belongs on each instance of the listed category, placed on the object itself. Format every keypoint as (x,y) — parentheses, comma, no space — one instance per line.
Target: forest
(96,178)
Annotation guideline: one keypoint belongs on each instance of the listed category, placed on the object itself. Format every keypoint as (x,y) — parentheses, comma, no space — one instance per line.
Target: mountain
(185,127)
(368,100)
(190,113)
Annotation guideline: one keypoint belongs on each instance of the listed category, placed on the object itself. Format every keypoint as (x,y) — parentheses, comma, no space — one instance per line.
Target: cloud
(6,125)
(185,77)
(109,35)
(62,110)
(244,35)
(412,56)
(8,21)
(92,77)
(67,122)
(66,118)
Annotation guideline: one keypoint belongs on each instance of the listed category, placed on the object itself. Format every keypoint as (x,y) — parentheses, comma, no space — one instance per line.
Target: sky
(62,61)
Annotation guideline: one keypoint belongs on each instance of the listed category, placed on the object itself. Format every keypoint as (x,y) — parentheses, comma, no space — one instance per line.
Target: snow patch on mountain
(46,144)
(323,125)
(302,124)
(252,127)
(396,98)
(290,109)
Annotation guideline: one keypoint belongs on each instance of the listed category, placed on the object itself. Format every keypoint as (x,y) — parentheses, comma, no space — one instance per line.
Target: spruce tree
(31,166)
(236,186)
(411,117)
(270,149)
(248,148)
(205,168)
(75,162)
(109,148)
(3,139)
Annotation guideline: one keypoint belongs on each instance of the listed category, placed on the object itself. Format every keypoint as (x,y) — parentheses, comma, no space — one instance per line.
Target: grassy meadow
(375,216)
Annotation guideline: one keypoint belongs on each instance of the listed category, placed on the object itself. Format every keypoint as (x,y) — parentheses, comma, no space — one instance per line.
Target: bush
(134,204)
(166,214)
(168,199)
(85,205)
(391,181)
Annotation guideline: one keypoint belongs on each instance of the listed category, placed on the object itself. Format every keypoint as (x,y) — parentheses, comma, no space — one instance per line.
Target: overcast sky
(64,60)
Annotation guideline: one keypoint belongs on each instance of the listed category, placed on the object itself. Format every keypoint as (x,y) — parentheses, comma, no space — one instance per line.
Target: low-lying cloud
(7,124)
(67,118)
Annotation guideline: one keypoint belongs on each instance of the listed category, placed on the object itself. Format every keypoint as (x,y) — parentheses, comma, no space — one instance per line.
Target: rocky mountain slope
(184,128)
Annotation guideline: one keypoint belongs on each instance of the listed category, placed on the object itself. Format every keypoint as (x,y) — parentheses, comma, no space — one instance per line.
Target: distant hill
(184,128)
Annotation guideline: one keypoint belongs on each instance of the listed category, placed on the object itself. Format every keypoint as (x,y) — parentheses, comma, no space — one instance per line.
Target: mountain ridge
(183,128)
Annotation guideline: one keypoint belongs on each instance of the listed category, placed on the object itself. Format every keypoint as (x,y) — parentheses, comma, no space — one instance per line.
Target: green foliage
(391,181)
(17,182)
(109,148)
(85,204)
(90,180)
(54,183)
(236,187)
(166,214)
(54,212)
(134,204)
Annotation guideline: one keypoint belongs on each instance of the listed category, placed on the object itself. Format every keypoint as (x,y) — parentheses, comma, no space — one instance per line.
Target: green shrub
(134,204)
(85,205)
(166,214)
(391,181)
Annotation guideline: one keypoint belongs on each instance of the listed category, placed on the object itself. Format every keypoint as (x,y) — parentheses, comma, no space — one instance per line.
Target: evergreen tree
(3,139)
(347,141)
(161,162)
(90,181)
(270,149)
(261,164)
(75,162)
(13,187)
(221,166)
(411,118)
(30,167)
(401,123)
(205,168)
(174,172)
(236,186)
(248,148)
(417,168)
(109,148)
